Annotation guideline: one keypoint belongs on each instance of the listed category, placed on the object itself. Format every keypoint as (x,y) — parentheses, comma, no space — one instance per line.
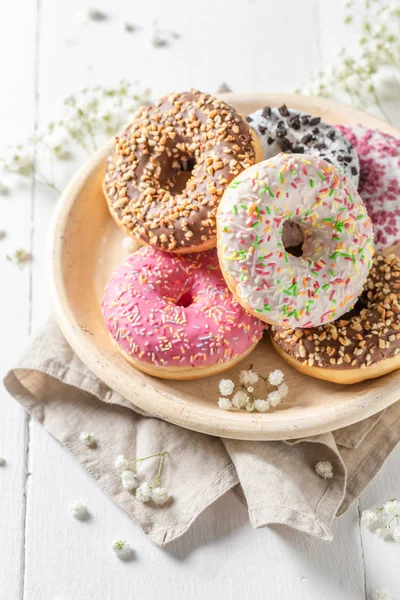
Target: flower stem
(379,105)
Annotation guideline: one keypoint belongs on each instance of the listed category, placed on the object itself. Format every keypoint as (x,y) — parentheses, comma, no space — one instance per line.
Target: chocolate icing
(355,340)
(180,130)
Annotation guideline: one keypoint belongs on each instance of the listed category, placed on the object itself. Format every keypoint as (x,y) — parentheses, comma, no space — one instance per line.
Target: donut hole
(187,165)
(185,300)
(293,238)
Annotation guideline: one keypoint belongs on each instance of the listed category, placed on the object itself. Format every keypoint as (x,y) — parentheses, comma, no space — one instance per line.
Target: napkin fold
(276,480)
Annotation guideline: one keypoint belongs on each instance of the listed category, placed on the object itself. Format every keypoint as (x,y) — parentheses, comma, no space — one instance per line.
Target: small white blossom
(324,469)
(382,595)
(129,244)
(122,463)
(283,390)
(248,377)
(224,403)
(143,493)
(275,377)
(274,398)
(226,387)
(79,511)
(159,495)
(261,405)
(382,532)
(240,399)
(368,518)
(2,462)
(391,508)
(250,406)
(87,438)
(122,549)
(129,481)
(396,535)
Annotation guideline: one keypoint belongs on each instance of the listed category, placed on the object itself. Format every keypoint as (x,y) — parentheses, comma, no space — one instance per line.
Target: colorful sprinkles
(326,280)
(176,311)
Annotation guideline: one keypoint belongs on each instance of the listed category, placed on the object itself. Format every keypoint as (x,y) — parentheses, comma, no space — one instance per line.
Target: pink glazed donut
(173,316)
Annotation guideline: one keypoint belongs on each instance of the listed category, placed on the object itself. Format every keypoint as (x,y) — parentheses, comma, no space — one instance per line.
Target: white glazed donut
(289,130)
(323,283)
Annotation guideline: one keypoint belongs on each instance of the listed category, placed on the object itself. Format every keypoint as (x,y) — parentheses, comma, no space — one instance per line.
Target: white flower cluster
(79,511)
(373,64)
(123,549)
(244,397)
(324,469)
(87,438)
(382,595)
(385,519)
(145,491)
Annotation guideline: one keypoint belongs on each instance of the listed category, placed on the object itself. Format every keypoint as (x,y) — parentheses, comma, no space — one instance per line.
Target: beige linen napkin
(276,480)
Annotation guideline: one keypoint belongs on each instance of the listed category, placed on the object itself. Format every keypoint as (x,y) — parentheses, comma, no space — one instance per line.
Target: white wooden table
(48,51)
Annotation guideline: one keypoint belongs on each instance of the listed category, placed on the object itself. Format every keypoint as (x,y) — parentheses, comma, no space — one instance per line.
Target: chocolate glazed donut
(188,131)
(362,345)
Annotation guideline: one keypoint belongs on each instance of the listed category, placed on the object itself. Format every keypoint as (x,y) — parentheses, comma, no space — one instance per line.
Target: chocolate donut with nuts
(184,136)
(362,345)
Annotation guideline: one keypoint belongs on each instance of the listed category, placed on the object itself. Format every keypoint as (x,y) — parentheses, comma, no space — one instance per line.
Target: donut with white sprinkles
(173,316)
(292,131)
(271,283)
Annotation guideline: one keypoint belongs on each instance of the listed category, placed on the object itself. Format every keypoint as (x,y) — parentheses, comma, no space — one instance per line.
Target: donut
(272,284)
(362,344)
(289,130)
(170,167)
(379,155)
(172,316)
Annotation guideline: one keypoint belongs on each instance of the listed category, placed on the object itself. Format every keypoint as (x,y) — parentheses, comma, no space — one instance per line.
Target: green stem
(379,105)
(78,139)
(42,179)
(138,460)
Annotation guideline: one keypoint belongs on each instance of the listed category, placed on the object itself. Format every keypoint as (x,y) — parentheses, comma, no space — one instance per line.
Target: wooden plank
(17,121)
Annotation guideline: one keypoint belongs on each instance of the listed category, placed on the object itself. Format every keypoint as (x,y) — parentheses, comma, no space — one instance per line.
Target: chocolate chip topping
(359,340)
(140,183)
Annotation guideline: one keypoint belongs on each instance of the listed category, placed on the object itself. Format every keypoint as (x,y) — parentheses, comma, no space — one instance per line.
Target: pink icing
(176,311)
(379,155)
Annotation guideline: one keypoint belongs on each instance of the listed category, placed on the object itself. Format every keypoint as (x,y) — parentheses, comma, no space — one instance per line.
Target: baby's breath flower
(159,495)
(143,492)
(87,438)
(226,387)
(275,377)
(249,377)
(391,508)
(122,463)
(20,257)
(240,399)
(382,532)
(382,595)
(224,403)
(369,518)
(250,406)
(396,535)
(122,549)
(129,244)
(2,462)
(324,469)
(4,190)
(283,390)
(262,405)
(274,398)
(129,481)
(79,511)
(95,14)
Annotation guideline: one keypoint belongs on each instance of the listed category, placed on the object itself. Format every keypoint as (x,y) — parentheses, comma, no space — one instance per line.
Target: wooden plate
(87,246)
